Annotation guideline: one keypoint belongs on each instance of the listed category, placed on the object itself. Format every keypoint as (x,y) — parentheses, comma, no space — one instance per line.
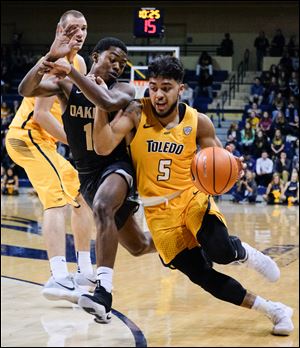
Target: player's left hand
(240,162)
(61,68)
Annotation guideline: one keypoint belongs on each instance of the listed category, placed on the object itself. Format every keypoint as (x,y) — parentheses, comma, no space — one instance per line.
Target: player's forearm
(51,125)
(100,96)
(30,82)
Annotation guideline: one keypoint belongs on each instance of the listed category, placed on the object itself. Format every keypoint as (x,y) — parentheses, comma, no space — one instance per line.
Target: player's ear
(181,88)
(95,56)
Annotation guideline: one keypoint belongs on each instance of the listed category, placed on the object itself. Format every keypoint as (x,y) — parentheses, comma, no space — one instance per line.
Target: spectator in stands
(293,84)
(292,109)
(10,183)
(260,144)
(6,79)
(274,190)
(226,47)
(261,44)
(187,95)
(233,133)
(254,108)
(277,44)
(291,46)
(265,123)
(246,188)
(292,127)
(295,60)
(16,104)
(264,169)
(295,155)
(271,91)
(283,166)
(287,62)
(274,71)
(278,105)
(283,84)
(249,161)
(233,149)
(247,138)
(278,123)
(204,72)
(257,91)
(290,194)
(253,119)
(277,144)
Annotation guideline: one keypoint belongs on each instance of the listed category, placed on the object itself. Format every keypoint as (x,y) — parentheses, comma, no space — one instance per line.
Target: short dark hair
(167,67)
(107,42)
(73,13)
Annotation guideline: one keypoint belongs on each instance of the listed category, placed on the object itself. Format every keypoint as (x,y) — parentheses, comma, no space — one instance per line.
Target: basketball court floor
(153,306)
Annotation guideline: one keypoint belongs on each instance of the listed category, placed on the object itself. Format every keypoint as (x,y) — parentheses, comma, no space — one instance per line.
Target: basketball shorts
(53,177)
(174,226)
(91,181)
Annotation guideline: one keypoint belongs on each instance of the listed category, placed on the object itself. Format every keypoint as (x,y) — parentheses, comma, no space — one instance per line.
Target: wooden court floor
(153,306)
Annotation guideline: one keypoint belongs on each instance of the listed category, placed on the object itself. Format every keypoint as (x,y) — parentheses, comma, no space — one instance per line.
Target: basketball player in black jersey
(106,181)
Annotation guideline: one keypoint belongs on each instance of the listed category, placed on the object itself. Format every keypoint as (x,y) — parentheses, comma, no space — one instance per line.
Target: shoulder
(125,87)
(204,125)
(81,63)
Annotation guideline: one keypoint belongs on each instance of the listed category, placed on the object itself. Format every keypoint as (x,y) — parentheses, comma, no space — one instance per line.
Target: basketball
(214,170)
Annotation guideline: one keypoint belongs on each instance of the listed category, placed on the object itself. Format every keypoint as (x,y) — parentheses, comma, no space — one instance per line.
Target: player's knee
(222,255)
(102,209)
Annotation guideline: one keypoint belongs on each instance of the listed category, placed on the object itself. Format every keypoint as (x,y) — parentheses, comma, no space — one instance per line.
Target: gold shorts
(53,177)
(174,226)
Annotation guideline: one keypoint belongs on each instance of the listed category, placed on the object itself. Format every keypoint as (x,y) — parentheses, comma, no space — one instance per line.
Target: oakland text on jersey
(82,111)
(164,146)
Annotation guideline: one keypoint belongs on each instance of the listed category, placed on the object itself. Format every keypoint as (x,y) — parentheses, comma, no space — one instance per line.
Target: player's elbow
(24,91)
(102,150)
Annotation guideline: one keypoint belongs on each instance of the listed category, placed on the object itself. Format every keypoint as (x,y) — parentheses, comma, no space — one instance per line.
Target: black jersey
(78,121)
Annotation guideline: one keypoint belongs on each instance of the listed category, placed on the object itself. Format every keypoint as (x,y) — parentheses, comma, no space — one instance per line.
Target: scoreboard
(148,22)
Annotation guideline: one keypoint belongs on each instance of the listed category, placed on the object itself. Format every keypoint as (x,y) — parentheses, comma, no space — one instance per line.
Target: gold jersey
(162,157)
(24,116)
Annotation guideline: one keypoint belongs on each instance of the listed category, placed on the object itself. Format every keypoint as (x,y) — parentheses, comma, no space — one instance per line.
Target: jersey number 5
(164,169)
(88,136)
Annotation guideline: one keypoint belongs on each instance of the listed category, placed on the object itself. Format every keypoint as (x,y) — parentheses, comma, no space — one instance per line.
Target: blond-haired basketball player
(188,229)
(31,143)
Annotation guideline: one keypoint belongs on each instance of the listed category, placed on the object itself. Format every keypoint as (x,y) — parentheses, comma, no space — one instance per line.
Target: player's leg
(82,223)
(209,227)
(109,197)
(191,263)
(224,249)
(39,160)
(134,239)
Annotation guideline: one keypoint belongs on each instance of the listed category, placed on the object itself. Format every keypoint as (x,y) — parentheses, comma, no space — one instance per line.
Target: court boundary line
(139,338)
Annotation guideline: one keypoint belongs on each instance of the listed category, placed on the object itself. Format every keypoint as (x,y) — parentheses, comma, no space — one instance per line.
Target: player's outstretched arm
(106,99)
(115,131)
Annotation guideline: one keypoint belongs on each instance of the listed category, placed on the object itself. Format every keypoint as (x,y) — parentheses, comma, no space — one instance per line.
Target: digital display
(148,22)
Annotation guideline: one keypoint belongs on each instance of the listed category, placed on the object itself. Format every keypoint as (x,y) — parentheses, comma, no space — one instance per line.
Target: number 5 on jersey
(164,169)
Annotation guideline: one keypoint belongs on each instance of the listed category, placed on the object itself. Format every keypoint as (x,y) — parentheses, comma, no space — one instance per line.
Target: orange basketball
(214,170)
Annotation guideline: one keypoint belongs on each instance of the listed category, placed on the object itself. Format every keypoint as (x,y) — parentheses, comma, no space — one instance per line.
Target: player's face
(81,32)
(164,94)
(110,64)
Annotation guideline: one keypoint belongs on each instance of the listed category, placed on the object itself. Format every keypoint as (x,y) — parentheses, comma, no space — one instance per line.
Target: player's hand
(240,162)
(63,43)
(101,82)
(61,68)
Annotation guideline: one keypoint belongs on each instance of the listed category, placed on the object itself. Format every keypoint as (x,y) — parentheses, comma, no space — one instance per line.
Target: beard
(167,113)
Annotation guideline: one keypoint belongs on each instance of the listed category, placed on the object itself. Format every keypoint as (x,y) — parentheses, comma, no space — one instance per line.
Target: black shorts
(90,182)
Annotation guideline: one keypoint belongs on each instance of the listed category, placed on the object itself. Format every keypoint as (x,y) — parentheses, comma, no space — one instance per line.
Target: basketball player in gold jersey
(31,143)
(189,231)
